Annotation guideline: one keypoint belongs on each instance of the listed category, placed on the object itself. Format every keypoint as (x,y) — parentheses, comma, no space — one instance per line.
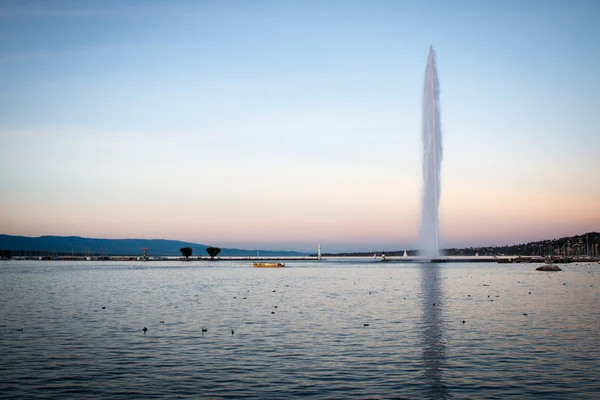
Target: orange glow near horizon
(482,216)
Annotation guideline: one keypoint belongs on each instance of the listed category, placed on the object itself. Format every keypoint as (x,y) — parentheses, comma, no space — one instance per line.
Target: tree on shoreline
(186,251)
(213,251)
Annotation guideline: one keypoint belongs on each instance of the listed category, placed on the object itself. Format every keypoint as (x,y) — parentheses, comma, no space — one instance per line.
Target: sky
(287,124)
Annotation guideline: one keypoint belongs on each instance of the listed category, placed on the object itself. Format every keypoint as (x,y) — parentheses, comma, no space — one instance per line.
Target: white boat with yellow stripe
(268,265)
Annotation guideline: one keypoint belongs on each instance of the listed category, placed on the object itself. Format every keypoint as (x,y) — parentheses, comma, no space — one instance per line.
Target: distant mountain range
(588,243)
(117,247)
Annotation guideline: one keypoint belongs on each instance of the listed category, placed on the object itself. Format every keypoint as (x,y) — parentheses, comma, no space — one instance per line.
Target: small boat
(269,265)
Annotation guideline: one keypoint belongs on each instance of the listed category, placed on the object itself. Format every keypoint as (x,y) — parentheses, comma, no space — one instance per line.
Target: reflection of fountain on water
(431,136)
(432,332)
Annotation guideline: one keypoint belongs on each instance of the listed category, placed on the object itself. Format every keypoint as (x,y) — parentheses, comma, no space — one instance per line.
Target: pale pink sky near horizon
(366,221)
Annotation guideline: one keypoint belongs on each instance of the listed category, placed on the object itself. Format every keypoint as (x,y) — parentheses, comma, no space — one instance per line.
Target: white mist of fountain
(432,159)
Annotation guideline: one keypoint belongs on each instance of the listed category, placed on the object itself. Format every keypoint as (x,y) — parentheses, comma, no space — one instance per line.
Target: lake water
(298,331)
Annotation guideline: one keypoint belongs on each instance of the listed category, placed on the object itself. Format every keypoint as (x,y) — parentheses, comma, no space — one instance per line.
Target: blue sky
(287,124)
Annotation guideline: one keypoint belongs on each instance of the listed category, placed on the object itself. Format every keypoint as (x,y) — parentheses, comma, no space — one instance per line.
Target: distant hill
(587,243)
(578,245)
(117,247)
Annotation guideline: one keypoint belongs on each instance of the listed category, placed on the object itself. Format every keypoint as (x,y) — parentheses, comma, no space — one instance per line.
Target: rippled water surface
(299,331)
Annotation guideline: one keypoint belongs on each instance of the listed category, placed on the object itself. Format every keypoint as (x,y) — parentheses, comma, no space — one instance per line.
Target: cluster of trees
(588,243)
(212,251)
(186,251)
(5,254)
(568,246)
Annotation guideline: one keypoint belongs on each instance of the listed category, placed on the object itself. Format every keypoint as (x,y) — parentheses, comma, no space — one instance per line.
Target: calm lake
(332,329)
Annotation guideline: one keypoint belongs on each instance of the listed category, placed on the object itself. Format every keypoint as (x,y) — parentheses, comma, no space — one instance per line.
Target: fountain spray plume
(431,136)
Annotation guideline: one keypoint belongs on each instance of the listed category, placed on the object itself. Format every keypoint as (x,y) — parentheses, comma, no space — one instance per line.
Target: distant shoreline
(388,260)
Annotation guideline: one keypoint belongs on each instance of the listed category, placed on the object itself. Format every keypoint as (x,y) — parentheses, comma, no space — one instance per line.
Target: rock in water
(548,267)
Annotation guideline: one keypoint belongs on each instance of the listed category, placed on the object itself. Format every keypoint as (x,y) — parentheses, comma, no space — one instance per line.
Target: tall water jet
(431,136)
